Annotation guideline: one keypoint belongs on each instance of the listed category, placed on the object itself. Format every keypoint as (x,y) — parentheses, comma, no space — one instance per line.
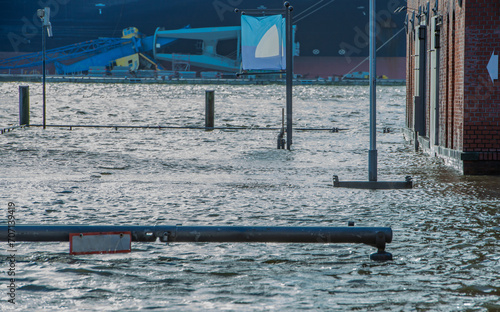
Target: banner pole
(372,154)
(289,75)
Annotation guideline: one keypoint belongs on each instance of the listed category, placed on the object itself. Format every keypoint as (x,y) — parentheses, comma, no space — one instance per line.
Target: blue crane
(98,52)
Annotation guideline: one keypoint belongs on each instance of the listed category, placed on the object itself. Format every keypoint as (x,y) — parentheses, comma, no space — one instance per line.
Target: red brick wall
(451,101)
(469,100)
(482,95)
(451,69)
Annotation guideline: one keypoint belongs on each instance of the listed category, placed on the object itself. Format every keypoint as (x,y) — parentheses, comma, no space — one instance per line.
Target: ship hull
(325,29)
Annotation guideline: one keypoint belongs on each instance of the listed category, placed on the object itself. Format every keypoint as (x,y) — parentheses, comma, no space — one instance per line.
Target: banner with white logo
(263,42)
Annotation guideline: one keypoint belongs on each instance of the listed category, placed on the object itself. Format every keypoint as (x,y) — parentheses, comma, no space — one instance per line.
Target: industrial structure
(209,36)
(331,35)
(136,55)
(453,90)
(129,51)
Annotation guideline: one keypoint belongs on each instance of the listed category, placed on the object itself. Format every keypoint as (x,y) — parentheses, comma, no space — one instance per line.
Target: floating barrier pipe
(232,234)
(373,236)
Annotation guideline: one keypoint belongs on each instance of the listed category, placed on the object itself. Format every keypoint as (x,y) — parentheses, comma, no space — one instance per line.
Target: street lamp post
(372,153)
(44,15)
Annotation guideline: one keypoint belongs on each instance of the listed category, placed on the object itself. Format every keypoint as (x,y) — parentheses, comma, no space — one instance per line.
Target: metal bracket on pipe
(170,235)
(381,254)
(144,235)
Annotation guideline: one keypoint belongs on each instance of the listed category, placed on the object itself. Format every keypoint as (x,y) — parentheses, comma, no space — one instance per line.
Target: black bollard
(24,105)
(209,109)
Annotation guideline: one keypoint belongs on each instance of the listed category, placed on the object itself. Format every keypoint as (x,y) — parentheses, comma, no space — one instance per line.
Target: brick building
(453,88)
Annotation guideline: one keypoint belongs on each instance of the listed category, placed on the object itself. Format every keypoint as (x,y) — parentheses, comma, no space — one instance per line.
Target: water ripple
(446,229)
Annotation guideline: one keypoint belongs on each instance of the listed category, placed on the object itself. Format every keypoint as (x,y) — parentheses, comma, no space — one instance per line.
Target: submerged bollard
(415,141)
(281,135)
(24,105)
(209,109)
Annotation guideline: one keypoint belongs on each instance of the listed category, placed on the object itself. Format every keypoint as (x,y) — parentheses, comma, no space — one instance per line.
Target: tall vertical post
(372,154)
(43,72)
(44,15)
(24,105)
(209,109)
(289,74)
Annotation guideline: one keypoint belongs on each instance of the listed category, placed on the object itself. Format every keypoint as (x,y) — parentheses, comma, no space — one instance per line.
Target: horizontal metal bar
(264,73)
(8,129)
(187,127)
(320,129)
(120,126)
(260,11)
(373,236)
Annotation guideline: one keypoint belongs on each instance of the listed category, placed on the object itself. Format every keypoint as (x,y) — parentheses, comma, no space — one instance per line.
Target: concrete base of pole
(381,256)
(374,185)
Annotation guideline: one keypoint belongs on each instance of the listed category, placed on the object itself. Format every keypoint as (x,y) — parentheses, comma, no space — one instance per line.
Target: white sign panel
(102,242)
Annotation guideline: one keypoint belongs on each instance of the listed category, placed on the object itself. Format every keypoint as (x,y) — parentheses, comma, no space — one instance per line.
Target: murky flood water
(446,230)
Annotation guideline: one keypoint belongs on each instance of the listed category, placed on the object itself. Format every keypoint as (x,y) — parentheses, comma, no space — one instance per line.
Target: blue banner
(263,42)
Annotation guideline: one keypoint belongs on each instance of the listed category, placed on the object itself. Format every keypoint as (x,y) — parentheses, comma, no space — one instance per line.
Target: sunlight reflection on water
(445,229)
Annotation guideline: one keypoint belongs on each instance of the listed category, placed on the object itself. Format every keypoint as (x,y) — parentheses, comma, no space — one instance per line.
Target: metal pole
(289,74)
(24,105)
(209,109)
(372,154)
(44,29)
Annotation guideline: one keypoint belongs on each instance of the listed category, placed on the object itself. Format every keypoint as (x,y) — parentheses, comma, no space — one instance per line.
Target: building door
(434,80)
(419,105)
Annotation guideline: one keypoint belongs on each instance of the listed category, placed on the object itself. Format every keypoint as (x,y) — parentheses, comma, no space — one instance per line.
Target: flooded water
(446,230)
